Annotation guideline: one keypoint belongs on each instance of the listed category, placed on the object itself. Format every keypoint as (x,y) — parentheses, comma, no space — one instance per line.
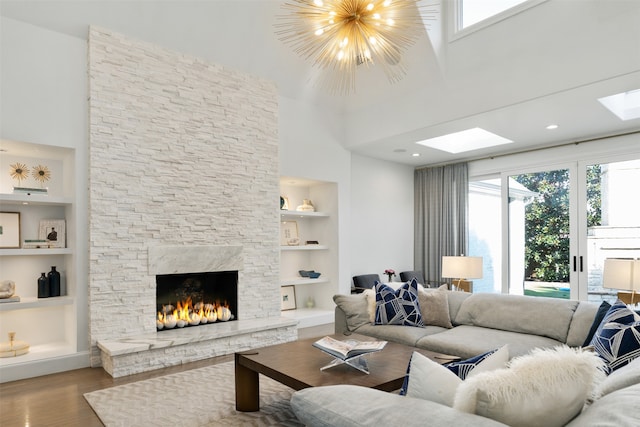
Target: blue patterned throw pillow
(618,344)
(617,313)
(398,307)
(463,367)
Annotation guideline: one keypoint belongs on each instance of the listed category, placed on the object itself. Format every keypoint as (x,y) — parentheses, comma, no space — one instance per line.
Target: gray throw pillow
(355,309)
(434,306)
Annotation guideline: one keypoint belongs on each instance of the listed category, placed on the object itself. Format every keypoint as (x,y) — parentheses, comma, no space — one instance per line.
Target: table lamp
(623,275)
(463,268)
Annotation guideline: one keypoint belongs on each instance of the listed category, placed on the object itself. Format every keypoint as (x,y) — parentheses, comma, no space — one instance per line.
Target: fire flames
(185,313)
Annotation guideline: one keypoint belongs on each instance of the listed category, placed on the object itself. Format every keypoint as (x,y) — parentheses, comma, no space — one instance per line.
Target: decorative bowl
(314,275)
(304,273)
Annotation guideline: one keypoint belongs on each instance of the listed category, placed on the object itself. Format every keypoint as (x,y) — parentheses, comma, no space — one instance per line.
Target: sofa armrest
(340,322)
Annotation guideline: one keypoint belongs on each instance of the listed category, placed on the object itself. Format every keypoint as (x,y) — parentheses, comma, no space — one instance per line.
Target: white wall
(382,215)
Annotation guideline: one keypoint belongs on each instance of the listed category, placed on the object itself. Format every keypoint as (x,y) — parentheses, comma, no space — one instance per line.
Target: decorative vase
(306,206)
(54,282)
(43,286)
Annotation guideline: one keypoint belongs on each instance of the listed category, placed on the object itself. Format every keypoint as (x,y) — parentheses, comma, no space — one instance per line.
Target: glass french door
(610,226)
(541,232)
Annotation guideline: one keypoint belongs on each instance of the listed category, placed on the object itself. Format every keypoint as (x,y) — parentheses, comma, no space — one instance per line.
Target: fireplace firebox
(193,299)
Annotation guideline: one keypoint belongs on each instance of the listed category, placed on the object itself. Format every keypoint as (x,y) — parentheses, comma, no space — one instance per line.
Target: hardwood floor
(57,399)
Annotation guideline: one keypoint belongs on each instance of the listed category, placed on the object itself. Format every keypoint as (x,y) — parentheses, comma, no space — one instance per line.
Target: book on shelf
(30,190)
(349,348)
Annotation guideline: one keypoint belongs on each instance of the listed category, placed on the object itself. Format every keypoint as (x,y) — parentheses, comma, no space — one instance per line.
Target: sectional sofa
(466,325)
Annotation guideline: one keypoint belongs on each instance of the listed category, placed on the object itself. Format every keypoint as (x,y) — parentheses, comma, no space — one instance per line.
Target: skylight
(466,140)
(625,105)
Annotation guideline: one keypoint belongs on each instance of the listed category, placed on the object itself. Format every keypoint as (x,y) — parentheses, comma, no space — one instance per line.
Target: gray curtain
(441,216)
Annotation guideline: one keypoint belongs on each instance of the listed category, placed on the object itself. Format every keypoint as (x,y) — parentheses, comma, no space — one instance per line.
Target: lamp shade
(621,274)
(462,267)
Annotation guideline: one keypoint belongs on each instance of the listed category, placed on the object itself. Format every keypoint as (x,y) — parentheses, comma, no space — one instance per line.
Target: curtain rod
(531,150)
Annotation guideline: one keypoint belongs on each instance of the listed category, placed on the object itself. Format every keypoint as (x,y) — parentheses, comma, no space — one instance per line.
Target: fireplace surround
(140,353)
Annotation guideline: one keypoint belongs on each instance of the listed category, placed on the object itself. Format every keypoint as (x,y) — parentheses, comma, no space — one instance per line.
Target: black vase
(54,282)
(43,286)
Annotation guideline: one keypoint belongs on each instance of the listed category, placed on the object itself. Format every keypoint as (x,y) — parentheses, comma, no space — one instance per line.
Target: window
(486,12)
(474,11)
(546,229)
(485,232)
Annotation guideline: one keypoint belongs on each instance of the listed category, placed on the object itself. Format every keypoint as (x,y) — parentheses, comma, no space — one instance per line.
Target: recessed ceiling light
(625,105)
(466,140)
(416,154)
(399,150)
(552,127)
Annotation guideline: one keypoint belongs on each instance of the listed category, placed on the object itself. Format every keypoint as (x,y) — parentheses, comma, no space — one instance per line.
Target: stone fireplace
(184,177)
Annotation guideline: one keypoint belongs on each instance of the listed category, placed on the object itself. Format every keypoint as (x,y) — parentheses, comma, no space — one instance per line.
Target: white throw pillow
(370,294)
(429,380)
(547,387)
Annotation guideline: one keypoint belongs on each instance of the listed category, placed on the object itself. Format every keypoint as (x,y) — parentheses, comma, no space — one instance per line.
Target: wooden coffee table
(297,365)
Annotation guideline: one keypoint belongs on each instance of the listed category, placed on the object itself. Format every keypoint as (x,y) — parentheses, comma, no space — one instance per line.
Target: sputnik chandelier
(340,35)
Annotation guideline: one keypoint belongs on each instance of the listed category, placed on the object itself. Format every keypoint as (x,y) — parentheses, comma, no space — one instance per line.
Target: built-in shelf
(308,317)
(21,252)
(303,281)
(34,199)
(53,326)
(32,302)
(304,248)
(301,214)
(320,226)
(39,353)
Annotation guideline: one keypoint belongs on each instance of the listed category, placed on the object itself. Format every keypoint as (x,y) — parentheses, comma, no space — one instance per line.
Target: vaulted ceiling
(546,65)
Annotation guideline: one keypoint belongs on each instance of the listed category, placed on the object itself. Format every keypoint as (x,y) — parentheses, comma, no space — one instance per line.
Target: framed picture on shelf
(288,232)
(54,232)
(9,230)
(288,298)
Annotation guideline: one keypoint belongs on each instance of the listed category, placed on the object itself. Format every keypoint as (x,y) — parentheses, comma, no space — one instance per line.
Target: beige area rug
(199,397)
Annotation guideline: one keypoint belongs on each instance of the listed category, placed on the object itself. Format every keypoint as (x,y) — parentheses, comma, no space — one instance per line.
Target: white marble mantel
(194,259)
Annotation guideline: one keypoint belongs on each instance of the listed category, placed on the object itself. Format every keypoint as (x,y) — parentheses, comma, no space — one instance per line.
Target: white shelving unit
(320,226)
(49,325)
